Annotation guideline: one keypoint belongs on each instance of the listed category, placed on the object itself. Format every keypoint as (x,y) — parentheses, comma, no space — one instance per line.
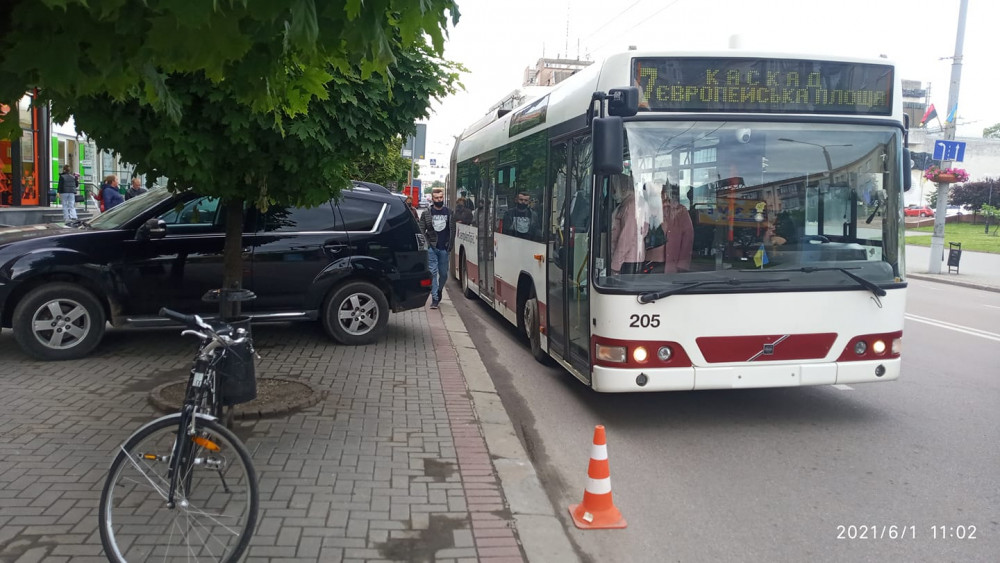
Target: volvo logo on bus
(768,349)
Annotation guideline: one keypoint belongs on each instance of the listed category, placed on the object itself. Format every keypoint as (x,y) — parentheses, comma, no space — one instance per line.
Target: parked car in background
(955,210)
(346,263)
(918,211)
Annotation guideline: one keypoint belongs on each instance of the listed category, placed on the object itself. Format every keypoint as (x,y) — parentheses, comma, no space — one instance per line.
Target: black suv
(347,263)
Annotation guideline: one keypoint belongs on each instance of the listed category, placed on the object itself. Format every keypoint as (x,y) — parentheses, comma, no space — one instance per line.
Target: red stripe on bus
(766,347)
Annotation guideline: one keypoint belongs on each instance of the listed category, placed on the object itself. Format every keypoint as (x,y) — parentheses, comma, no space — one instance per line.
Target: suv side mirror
(152,229)
(608,135)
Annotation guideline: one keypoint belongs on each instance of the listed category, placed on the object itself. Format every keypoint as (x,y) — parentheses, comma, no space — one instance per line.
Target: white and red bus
(665,221)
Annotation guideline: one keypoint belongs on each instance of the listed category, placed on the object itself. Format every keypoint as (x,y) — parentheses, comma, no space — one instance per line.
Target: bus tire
(533,328)
(463,278)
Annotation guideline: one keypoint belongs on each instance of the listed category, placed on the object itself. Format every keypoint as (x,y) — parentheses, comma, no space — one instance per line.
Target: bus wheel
(463,278)
(532,326)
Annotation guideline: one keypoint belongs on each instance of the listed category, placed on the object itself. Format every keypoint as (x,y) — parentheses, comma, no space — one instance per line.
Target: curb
(249,410)
(950,281)
(543,536)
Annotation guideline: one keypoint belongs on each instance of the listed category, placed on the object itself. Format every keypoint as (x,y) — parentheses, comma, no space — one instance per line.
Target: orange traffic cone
(597,511)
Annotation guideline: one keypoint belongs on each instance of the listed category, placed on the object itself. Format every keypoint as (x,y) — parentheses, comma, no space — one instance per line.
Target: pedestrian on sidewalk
(135,189)
(437,225)
(109,192)
(413,211)
(69,185)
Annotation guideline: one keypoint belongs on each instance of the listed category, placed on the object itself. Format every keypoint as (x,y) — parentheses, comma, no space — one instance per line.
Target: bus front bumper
(614,380)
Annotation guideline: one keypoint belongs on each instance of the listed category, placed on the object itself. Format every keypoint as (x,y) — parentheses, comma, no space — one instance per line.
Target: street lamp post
(937,238)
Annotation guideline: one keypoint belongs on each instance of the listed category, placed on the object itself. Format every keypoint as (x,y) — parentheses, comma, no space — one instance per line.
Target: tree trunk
(232,277)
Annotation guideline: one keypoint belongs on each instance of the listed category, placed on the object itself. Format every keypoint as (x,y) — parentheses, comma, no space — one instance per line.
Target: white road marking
(957,328)
(843,387)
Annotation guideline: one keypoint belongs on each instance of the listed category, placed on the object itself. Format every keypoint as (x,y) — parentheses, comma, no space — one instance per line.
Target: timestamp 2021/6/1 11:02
(907,531)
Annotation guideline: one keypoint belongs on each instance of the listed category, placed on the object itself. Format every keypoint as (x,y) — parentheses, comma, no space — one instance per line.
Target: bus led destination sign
(763,85)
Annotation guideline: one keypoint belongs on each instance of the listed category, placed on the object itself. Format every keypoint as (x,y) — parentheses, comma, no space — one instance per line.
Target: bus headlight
(610,353)
(897,346)
(878,347)
(860,347)
(664,353)
(640,354)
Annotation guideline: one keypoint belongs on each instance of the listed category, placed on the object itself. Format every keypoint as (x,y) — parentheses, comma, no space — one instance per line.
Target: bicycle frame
(203,380)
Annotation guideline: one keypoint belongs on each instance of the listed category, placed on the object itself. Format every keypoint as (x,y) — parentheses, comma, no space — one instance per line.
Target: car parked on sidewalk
(918,211)
(347,263)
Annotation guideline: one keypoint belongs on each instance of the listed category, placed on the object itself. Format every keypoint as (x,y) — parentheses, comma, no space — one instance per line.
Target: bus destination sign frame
(763,85)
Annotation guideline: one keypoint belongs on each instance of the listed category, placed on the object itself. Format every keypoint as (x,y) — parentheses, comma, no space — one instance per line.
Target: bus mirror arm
(907,170)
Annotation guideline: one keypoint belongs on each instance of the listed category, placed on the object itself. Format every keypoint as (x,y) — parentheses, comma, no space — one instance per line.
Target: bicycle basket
(237,378)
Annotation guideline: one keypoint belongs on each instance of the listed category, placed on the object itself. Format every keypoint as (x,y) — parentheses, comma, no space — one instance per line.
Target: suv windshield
(122,213)
(704,201)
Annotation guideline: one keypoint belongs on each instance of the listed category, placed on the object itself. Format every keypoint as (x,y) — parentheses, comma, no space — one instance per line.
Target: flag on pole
(931,113)
(951,116)
(760,258)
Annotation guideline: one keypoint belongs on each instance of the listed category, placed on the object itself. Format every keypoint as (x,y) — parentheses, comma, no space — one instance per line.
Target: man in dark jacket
(437,226)
(136,189)
(69,185)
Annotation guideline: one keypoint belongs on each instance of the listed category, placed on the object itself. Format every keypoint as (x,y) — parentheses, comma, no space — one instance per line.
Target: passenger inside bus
(629,226)
(463,211)
(678,232)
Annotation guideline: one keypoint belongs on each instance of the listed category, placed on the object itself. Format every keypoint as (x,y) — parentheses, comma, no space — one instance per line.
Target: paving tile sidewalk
(976,270)
(390,466)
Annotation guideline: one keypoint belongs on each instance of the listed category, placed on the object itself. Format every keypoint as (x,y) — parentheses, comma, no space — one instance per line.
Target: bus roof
(570,98)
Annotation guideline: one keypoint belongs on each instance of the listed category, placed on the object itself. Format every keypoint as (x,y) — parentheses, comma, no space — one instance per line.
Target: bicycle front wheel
(215,505)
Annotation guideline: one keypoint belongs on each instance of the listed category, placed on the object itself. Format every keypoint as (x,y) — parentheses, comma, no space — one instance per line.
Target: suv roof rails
(369,186)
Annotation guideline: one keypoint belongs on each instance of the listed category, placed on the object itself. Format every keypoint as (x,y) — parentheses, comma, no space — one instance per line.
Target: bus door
(568,286)
(486,217)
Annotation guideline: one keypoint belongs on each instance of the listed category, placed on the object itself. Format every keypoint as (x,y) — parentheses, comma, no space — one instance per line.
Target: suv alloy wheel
(356,313)
(58,321)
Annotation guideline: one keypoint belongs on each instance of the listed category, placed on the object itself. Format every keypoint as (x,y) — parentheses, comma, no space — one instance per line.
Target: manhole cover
(275,396)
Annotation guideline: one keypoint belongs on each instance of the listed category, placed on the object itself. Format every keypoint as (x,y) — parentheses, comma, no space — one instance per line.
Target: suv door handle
(334,247)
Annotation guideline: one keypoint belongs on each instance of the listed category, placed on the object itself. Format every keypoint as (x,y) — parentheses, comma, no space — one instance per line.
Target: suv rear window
(360,214)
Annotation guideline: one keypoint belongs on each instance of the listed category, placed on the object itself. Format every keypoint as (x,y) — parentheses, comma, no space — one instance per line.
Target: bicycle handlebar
(204,329)
(191,321)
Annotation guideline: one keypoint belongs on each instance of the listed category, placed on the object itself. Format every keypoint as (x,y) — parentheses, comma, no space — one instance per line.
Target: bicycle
(190,499)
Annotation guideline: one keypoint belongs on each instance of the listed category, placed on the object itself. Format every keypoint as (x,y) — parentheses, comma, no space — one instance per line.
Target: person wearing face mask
(437,225)
(521,221)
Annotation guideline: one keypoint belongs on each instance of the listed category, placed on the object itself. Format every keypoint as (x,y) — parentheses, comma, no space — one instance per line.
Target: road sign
(949,150)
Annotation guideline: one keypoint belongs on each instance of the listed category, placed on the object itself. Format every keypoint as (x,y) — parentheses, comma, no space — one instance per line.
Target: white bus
(664,221)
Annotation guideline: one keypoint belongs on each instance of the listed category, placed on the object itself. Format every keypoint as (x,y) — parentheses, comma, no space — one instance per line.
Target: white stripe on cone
(599,452)
(599,486)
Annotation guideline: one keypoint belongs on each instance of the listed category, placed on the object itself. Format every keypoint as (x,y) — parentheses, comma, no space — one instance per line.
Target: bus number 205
(644,321)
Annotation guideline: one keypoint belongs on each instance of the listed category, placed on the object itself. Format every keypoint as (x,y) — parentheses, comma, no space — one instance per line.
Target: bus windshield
(709,200)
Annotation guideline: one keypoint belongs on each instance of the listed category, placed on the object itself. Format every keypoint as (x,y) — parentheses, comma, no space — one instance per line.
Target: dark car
(347,263)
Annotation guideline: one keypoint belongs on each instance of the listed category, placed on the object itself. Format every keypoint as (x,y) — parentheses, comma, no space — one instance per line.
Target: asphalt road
(815,473)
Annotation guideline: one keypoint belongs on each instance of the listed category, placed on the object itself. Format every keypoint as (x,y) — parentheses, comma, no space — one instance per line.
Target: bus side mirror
(907,170)
(609,144)
(623,102)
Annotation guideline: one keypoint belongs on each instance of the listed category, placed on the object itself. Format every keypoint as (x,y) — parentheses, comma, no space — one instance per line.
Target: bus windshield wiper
(863,282)
(651,296)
